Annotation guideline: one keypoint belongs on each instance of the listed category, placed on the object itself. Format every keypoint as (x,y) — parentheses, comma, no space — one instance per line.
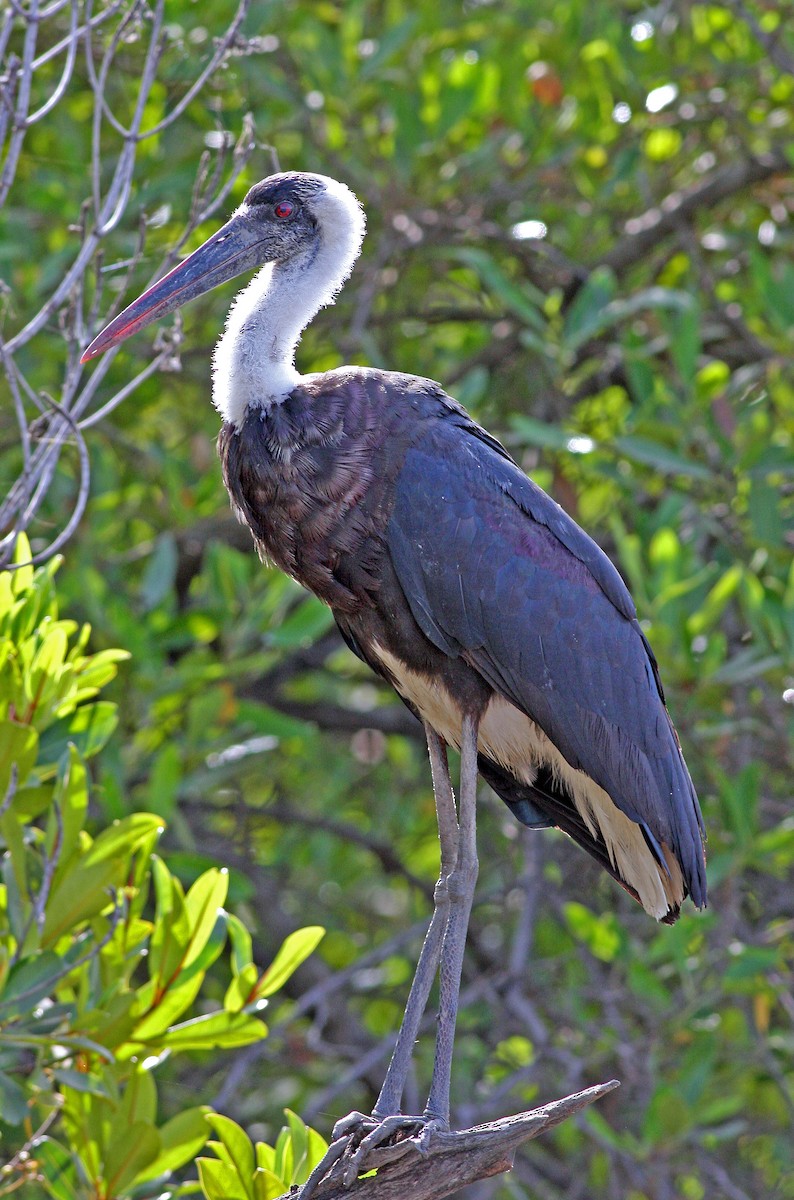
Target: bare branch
(54,423)
(436,1164)
(66,74)
(24,74)
(223,46)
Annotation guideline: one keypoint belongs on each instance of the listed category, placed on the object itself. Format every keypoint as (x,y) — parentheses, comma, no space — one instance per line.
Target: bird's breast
(313,479)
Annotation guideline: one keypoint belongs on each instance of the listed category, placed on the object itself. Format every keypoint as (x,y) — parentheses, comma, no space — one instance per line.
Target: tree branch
(645,231)
(438,1164)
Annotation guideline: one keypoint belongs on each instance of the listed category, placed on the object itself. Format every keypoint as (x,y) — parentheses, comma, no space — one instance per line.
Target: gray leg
(460,885)
(442,951)
(391,1093)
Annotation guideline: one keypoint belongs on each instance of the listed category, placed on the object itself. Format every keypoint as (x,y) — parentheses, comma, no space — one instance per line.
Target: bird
(498,621)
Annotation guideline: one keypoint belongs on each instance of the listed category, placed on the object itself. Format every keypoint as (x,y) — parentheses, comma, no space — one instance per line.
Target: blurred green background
(579,222)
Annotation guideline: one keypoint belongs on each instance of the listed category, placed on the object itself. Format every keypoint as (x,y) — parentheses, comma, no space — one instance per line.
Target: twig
(66,74)
(19,126)
(223,46)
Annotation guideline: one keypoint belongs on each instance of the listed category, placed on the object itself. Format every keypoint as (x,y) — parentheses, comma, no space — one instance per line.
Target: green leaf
(295,948)
(300,1147)
(57,1166)
(203,903)
(267,1185)
(219,1181)
(653,454)
(524,300)
(124,836)
(139,1102)
(162,1006)
(239,1147)
(82,1081)
(241,943)
(181,1139)
(102,868)
(18,749)
(585,317)
(128,1154)
(89,728)
(13,1100)
(242,989)
(304,625)
(93,673)
(160,573)
(45,669)
(540,433)
(171,932)
(218,1029)
(30,981)
(71,800)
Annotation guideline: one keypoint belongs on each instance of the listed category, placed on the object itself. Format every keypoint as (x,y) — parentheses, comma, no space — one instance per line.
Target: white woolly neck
(254,361)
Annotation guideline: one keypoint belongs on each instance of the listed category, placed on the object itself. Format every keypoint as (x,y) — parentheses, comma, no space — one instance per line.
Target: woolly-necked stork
(451,574)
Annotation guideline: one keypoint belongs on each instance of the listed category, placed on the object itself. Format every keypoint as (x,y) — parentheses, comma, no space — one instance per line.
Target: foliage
(102,953)
(244,1171)
(636,358)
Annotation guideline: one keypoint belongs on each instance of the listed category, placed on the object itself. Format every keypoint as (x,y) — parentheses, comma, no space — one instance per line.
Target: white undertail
(511,739)
(254,361)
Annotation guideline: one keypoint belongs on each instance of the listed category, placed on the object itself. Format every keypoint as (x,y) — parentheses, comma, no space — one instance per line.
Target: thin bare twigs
(66,74)
(223,46)
(46,425)
(24,76)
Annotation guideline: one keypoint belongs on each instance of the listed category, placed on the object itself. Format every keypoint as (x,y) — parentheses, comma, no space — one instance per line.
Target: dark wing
(495,571)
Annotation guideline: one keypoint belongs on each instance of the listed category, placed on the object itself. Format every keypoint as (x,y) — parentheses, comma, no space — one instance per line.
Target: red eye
(283,209)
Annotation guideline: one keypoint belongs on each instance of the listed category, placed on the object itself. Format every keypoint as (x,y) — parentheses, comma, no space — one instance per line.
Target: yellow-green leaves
(103,953)
(243,1171)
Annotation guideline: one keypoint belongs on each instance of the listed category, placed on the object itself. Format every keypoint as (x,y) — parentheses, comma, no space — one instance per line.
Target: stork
(496,619)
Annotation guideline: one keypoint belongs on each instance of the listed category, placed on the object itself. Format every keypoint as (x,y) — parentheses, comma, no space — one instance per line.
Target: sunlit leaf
(295,949)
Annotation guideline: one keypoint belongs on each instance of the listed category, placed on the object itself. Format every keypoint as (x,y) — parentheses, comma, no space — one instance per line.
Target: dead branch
(437,1165)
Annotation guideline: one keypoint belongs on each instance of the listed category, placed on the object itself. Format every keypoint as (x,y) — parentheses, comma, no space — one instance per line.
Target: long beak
(236,247)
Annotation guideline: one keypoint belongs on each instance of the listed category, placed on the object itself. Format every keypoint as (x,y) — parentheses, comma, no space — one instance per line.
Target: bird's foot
(358,1135)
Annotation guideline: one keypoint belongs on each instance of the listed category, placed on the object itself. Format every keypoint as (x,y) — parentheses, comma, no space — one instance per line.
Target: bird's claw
(356,1125)
(357,1135)
(377,1132)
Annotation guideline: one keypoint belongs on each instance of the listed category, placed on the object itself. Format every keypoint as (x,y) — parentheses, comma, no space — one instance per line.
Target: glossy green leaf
(181,1139)
(295,949)
(219,1181)
(218,1029)
(89,728)
(203,903)
(239,1148)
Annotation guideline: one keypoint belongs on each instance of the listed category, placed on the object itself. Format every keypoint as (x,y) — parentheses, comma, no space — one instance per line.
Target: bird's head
(282,217)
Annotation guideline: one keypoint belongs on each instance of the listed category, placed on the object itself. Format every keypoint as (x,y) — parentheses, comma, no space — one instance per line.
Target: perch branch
(438,1164)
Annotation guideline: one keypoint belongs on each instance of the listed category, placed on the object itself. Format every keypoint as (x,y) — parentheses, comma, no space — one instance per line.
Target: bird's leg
(442,951)
(388,1102)
(460,884)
